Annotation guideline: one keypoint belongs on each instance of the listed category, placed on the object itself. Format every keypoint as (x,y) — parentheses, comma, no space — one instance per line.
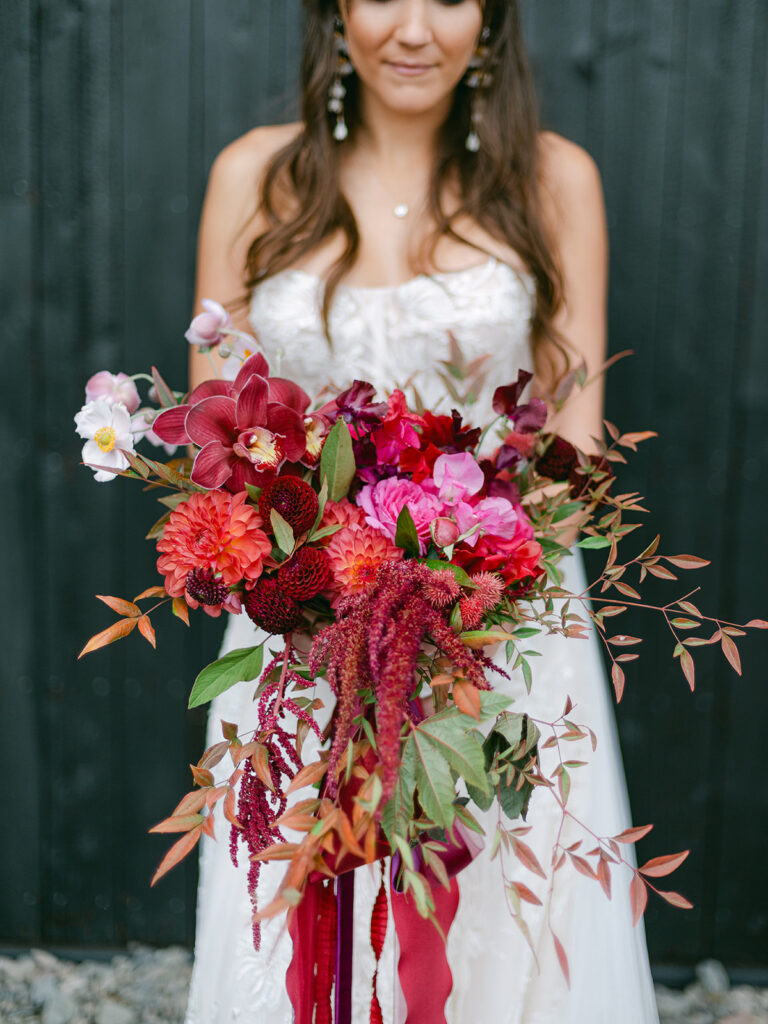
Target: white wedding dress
(393,336)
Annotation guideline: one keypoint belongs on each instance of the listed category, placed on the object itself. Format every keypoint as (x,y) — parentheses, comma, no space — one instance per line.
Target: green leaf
(459,746)
(462,578)
(514,801)
(510,727)
(434,781)
(165,396)
(241,665)
(482,797)
(283,532)
(492,704)
(322,501)
(254,493)
(567,510)
(593,543)
(327,531)
(337,463)
(406,536)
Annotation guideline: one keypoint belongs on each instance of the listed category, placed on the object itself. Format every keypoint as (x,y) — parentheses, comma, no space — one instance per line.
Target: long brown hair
(498,186)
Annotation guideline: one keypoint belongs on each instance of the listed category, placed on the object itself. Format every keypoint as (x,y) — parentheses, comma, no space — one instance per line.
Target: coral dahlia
(213,530)
(355,554)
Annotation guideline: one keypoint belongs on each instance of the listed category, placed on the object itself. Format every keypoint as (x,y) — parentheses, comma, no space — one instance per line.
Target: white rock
(112,1012)
(59,1009)
(713,977)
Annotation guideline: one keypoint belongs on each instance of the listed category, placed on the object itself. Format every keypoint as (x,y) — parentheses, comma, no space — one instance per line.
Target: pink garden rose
(383,502)
(112,388)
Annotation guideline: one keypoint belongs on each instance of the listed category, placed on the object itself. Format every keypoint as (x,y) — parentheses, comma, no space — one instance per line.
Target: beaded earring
(479,77)
(337,90)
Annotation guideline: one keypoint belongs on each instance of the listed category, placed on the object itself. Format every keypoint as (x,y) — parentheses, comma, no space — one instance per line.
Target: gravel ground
(148,986)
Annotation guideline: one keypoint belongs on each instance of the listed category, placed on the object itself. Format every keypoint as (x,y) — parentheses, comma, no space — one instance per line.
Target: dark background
(111,114)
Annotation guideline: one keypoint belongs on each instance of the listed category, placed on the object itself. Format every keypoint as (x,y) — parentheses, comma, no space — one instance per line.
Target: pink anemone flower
(246,429)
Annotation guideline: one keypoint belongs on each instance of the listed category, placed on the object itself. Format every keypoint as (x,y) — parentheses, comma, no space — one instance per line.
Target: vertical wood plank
(19,694)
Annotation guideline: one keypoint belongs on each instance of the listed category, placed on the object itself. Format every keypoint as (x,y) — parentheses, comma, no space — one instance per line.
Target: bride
(418,212)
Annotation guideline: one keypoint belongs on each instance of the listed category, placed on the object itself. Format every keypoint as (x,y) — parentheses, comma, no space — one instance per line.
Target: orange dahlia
(354,555)
(213,530)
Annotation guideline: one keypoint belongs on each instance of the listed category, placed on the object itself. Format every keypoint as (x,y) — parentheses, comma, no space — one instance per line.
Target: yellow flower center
(314,438)
(263,448)
(105,438)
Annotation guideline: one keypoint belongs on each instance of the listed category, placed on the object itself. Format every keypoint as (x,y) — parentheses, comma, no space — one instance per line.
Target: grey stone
(59,1009)
(43,988)
(713,977)
(113,1012)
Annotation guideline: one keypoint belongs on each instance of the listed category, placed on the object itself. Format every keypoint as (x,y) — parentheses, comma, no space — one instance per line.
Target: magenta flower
(528,418)
(246,429)
(112,388)
(383,502)
(205,330)
(457,477)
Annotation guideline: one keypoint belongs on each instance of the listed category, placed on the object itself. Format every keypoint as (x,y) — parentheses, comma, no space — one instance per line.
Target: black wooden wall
(111,113)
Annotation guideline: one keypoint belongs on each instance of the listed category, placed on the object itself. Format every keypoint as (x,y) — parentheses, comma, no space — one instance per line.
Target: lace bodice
(398,336)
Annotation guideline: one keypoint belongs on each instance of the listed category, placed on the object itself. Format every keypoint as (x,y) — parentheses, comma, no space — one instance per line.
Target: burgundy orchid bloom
(528,418)
(245,429)
(356,407)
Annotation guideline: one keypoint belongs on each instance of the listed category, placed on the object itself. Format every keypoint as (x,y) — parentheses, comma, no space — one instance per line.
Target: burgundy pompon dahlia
(271,608)
(294,499)
(307,573)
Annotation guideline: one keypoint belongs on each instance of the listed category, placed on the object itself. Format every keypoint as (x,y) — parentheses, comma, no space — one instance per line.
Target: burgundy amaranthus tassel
(258,807)
(375,643)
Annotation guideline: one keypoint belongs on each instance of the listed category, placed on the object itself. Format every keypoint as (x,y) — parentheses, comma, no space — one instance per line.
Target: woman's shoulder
(566,168)
(245,159)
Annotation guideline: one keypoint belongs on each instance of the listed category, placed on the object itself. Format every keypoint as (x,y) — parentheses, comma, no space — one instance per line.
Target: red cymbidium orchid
(245,429)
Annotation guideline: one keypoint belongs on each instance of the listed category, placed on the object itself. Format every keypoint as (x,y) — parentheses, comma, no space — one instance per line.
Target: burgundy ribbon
(423,970)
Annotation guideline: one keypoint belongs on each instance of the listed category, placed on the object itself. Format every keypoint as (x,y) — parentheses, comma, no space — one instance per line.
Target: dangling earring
(337,90)
(479,77)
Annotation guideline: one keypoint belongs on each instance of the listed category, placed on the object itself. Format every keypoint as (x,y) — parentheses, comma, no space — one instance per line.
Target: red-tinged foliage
(107,636)
(177,852)
(191,803)
(660,866)
(117,604)
(562,959)
(638,895)
(731,652)
(675,899)
(214,755)
(308,775)
(181,609)
(687,561)
(686,663)
(604,875)
(582,866)
(147,630)
(151,592)
(618,678)
(632,835)
(525,893)
(527,857)
(181,823)
(757,624)
(202,776)
(467,698)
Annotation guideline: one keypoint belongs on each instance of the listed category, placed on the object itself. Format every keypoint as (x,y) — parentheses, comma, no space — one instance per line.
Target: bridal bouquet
(404,558)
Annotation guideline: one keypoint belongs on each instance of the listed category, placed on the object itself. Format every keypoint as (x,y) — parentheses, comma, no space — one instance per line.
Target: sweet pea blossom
(205,330)
(112,388)
(457,477)
(495,516)
(107,432)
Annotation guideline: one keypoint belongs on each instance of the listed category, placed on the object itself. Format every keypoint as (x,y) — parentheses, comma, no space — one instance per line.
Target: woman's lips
(409,70)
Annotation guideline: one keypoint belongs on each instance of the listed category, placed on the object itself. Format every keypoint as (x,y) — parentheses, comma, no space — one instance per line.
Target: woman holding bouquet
(417,217)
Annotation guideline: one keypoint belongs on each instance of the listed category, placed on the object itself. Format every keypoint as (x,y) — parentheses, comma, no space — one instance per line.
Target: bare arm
(574,202)
(229,222)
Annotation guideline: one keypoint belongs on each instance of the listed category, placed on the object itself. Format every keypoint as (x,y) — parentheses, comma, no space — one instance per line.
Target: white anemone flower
(107,432)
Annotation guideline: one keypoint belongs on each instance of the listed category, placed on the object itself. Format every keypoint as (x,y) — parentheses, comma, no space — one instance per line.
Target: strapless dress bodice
(400,336)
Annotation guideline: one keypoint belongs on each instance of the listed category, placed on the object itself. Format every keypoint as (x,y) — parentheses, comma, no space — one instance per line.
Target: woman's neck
(404,142)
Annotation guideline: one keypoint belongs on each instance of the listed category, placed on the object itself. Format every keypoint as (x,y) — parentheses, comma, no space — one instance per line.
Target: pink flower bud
(445,532)
(112,388)
(205,329)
